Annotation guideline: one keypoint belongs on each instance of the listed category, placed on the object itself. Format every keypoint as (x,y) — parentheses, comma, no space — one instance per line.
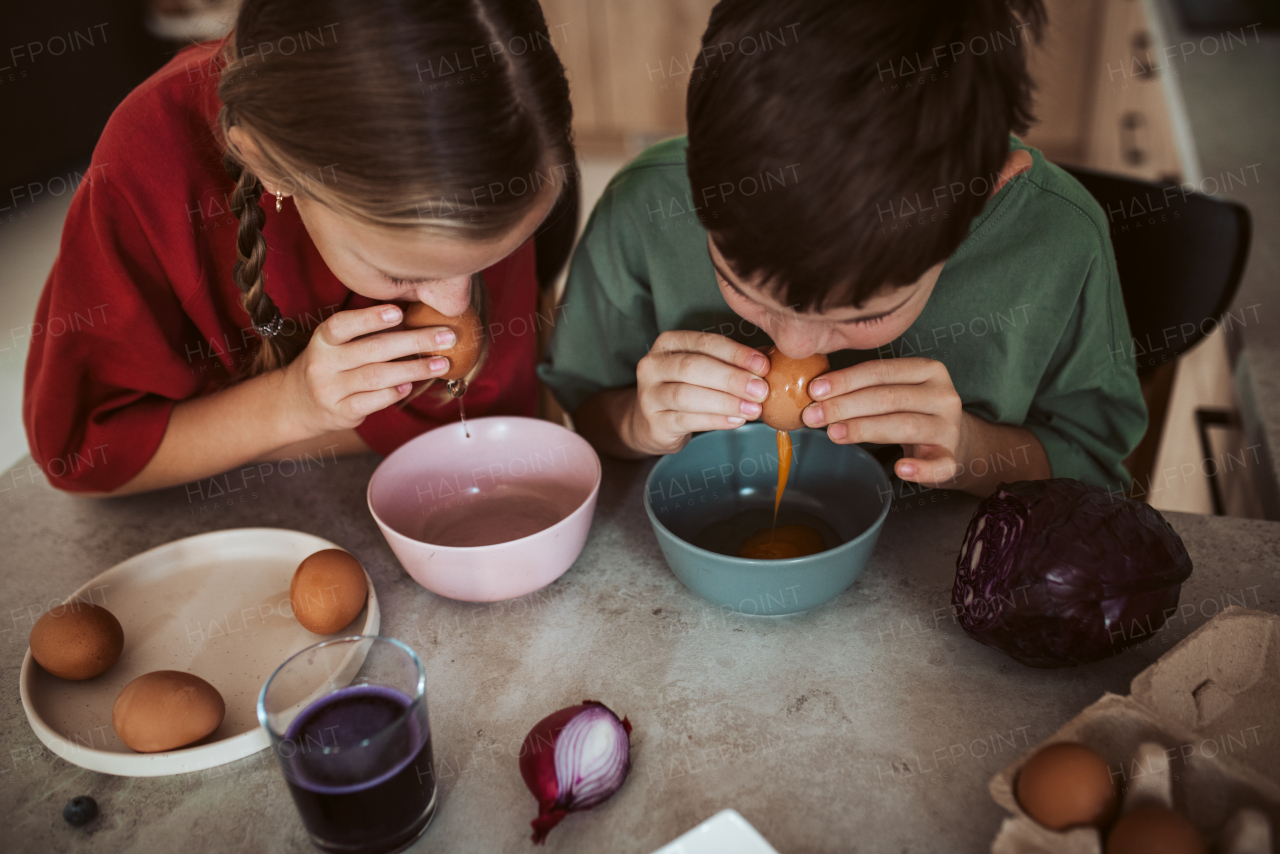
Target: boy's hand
(690,382)
(347,371)
(909,402)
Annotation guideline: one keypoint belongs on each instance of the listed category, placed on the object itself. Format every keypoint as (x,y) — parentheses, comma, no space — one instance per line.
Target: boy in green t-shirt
(850,186)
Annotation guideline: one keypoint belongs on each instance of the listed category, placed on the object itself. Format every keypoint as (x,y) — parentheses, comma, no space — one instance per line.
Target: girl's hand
(690,382)
(909,402)
(347,370)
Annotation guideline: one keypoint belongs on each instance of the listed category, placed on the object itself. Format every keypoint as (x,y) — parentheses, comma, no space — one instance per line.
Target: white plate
(216,605)
(726,832)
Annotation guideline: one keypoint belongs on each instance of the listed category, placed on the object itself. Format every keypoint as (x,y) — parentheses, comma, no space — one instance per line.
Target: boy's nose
(450,297)
(795,341)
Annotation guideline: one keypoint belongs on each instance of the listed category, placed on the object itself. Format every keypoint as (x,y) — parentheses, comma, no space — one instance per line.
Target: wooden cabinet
(628,63)
(569,24)
(654,46)
(1064,89)
(1132,130)
(1101,100)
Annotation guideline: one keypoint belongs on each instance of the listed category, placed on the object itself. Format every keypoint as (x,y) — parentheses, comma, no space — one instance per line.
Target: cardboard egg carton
(1199,731)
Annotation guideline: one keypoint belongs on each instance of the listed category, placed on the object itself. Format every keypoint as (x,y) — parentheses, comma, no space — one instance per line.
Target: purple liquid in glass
(358,764)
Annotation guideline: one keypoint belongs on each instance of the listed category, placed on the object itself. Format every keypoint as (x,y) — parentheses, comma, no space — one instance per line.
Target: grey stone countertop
(872,723)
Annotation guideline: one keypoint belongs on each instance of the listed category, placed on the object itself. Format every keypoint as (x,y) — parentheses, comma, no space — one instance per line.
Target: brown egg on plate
(1065,785)
(466,352)
(788,381)
(76,640)
(1155,830)
(328,590)
(166,709)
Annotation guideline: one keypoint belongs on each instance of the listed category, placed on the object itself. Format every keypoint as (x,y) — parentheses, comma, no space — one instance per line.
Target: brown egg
(165,710)
(1067,784)
(466,352)
(1155,830)
(789,388)
(77,640)
(327,591)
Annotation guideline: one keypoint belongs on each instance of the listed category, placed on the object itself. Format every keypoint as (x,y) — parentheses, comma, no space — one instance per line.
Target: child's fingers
(684,423)
(716,346)
(682,397)
(391,374)
(699,369)
(874,372)
(898,428)
(875,400)
(397,345)
(941,472)
(347,325)
(357,407)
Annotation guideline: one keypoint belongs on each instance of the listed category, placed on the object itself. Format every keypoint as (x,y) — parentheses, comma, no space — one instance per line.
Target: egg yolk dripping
(788,381)
(463,356)
(784,471)
(789,540)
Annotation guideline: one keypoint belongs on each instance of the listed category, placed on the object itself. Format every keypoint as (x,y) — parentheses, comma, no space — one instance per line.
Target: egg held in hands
(788,381)
(464,354)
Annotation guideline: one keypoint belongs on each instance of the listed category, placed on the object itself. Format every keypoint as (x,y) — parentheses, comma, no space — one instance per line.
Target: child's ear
(1019,161)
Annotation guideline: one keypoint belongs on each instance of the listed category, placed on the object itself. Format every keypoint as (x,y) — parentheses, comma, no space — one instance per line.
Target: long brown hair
(443,115)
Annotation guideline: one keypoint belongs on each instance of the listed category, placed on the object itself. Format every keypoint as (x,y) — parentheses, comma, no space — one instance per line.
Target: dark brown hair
(363,106)
(812,120)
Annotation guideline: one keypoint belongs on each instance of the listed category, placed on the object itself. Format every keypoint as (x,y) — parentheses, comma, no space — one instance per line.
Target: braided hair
(281,348)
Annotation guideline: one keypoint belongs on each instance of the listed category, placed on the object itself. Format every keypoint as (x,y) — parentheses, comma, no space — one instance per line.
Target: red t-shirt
(141,311)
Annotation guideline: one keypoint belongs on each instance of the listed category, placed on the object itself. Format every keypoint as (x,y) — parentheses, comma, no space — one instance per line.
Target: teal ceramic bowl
(707,499)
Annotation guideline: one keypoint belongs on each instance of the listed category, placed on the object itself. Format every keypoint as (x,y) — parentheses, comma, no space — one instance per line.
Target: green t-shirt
(1027,315)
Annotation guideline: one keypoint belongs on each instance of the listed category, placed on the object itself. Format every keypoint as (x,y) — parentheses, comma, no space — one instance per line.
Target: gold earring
(279,201)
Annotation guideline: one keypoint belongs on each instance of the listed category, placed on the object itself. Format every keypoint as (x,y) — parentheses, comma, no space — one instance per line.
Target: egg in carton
(1199,734)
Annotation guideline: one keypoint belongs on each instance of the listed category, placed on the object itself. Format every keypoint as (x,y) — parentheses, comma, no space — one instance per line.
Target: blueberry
(80,811)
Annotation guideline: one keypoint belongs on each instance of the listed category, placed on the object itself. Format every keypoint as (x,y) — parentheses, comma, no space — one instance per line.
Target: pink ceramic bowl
(490,517)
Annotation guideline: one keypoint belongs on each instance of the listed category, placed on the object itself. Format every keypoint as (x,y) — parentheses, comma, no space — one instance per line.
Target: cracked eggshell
(465,353)
(788,381)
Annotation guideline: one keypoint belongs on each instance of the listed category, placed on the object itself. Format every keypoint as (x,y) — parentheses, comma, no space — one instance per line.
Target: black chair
(1180,256)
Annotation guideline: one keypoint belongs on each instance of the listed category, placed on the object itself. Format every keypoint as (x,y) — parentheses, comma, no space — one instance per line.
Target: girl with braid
(232,279)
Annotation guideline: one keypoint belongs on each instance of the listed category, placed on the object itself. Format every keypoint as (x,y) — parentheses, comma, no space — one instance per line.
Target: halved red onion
(574,759)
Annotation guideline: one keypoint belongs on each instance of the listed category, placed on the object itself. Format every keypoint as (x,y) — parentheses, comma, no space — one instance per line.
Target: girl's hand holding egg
(348,370)
(690,382)
(467,329)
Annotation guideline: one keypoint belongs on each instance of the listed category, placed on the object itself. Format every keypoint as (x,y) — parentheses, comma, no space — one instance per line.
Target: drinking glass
(347,719)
